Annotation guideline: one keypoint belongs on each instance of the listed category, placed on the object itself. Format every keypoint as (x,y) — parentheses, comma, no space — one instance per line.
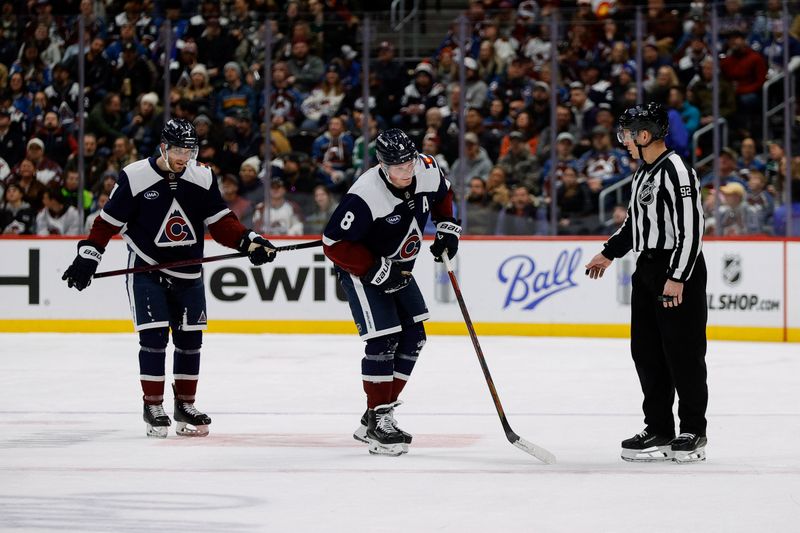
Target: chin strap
(641,146)
(166,157)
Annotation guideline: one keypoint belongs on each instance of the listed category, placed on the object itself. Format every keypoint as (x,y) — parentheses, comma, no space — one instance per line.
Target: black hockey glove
(79,273)
(387,276)
(447,234)
(258,249)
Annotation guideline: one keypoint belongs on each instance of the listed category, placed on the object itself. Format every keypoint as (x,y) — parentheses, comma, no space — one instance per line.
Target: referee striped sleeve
(683,191)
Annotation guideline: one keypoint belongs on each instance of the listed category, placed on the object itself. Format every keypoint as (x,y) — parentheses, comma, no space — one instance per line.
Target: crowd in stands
(510,181)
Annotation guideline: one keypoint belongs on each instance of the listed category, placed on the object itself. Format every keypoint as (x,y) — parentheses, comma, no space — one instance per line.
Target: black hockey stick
(527,447)
(190,262)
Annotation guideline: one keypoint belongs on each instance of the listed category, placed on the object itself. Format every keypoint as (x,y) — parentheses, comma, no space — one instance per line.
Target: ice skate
(360,434)
(647,448)
(157,421)
(189,422)
(382,436)
(689,448)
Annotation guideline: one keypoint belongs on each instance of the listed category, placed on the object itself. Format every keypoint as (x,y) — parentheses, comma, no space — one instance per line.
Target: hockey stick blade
(530,448)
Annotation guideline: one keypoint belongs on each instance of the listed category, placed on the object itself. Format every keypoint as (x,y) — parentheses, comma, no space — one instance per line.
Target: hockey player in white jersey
(160,207)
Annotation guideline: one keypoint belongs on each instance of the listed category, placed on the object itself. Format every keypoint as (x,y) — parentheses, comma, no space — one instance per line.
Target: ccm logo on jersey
(151,195)
(686,191)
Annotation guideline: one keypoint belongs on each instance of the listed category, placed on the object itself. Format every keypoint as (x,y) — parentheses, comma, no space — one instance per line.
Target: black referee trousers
(668,345)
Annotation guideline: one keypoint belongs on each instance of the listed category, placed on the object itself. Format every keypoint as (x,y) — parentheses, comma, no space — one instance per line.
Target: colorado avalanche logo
(647,194)
(410,247)
(176,230)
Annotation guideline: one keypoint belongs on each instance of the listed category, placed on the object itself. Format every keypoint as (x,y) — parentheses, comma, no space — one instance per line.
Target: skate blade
(157,432)
(361,434)
(182,429)
(654,454)
(694,456)
(376,448)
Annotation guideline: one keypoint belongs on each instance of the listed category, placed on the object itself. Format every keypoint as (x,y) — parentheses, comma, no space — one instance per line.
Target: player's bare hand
(597,266)
(672,295)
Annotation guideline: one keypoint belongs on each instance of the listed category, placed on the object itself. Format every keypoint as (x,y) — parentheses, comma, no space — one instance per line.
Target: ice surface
(280,457)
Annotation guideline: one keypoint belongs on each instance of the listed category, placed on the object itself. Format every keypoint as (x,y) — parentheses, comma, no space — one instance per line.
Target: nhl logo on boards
(732,269)
(176,230)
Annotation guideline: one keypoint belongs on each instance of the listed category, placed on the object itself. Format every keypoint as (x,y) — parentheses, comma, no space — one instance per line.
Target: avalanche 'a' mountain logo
(176,230)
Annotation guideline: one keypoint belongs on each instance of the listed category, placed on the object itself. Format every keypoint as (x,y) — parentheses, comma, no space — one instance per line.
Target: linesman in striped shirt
(664,226)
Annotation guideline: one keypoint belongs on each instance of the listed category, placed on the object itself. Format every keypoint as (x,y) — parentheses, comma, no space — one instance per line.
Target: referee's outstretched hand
(597,266)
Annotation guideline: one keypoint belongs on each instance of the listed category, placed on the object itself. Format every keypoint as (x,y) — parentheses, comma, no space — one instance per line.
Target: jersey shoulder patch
(141,176)
(428,174)
(372,190)
(198,174)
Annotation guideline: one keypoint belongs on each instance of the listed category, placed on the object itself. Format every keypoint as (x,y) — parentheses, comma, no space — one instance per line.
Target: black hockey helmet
(179,132)
(650,117)
(394,147)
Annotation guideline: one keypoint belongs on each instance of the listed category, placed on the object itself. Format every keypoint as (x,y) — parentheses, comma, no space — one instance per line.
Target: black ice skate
(689,448)
(189,422)
(157,421)
(382,435)
(360,434)
(647,448)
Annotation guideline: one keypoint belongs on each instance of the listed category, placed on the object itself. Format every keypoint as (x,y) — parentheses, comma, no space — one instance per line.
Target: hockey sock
(412,339)
(152,353)
(186,363)
(377,368)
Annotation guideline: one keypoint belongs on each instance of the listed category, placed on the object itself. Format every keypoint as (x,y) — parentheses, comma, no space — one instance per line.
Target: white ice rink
(74,456)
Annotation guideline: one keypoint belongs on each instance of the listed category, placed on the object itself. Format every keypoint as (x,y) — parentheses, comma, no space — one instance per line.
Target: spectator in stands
(106,120)
(604,116)
(63,91)
(324,206)
(305,68)
(564,124)
(490,66)
(133,75)
(735,215)
(565,157)
(198,89)
(57,218)
(284,216)
(421,94)
(476,88)
(728,170)
(332,153)
(97,69)
(241,207)
(250,187)
(520,166)
(389,74)
(700,94)
(102,199)
(17,217)
(20,97)
(122,154)
(618,216)
(94,162)
(58,143)
(246,139)
(214,45)
(665,80)
(477,162)
(690,115)
(143,125)
(576,214)
(47,170)
(360,151)
(623,88)
(519,217)
(127,36)
(32,189)
(522,124)
(286,101)
(652,60)
(70,189)
(298,177)
(481,213)
(747,70)
(35,72)
(12,139)
(324,101)
(513,85)
(430,146)
(603,165)
(446,67)
(691,64)
(760,200)
(750,160)
(234,96)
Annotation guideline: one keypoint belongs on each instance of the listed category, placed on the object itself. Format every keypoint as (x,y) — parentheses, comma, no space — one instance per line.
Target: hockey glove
(447,234)
(387,276)
(79,273)
(258,249)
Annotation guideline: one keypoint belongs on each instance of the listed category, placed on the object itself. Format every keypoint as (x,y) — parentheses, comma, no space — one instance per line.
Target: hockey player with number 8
(373,239)
(160,206)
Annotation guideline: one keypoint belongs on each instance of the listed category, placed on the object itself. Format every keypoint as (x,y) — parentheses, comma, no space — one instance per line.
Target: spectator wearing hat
(520,165)
(583,109)
(332,152)
(476,88)
(305,69)
(106,120)
(350,68)
(475,164)
(297,174)
(198,90)
(143,125)
(421,94)
(565,157)
(747,70)
(242,141)
(234,96)
(446,66)
(624,83)
(251,187)
(59,144)
(564,124)
(324,101)
(57,217)
(47,170)
(285,217)
(134,75)
(12,139)
(63,90)
(605,117)
(17,217)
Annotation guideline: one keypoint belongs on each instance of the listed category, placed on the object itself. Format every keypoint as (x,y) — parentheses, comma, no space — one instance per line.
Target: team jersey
(375,219)
(161,215)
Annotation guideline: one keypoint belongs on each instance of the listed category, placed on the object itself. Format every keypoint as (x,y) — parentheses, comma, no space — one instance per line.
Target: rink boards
(512,287)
